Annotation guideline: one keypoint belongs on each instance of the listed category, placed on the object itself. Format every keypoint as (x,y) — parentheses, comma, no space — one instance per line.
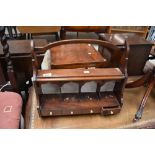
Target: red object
(10,110)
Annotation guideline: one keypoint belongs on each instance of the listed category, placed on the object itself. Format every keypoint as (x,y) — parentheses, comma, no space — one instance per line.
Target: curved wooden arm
(78,41)
(117,56)
(141,81)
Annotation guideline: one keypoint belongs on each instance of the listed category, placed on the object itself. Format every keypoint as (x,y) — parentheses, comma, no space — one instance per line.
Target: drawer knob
(111,112)
(91,111)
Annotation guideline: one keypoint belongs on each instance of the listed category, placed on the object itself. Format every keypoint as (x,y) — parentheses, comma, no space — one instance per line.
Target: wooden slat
(38,29)
(141,30)
(79,74)
(132,31)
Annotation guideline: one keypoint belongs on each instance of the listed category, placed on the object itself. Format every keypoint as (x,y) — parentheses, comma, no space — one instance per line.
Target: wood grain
(38,29)
(76,55)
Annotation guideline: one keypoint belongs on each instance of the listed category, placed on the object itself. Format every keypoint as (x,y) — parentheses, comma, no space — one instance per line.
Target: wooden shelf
(83,103)
(81,74)
(108,75)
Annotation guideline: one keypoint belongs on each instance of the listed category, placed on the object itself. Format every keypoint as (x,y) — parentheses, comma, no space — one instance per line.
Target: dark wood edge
(140,82)
(105,28)
(44,80)
(77,41)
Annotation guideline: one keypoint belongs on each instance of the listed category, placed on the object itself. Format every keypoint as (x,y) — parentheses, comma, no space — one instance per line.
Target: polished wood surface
(140,30)
(78,103)
(38,29)
(139,50)
(76,55)
(108,45)
(80,74)
(87,103)
(114,50)
(96,29)
(124,119)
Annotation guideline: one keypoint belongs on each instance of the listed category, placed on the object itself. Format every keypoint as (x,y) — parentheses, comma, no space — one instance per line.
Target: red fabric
(10,110)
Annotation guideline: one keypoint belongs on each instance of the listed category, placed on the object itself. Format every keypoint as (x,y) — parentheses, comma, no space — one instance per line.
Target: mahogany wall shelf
(98,102)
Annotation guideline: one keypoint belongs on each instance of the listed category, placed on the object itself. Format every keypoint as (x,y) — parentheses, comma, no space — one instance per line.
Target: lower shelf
(77,104)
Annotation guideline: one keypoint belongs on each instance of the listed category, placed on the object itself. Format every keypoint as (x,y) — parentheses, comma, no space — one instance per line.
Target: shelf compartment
(77,104)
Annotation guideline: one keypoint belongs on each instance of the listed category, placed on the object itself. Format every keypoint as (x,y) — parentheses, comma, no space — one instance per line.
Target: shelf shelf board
(60,75)
(132,31)
(74,104)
